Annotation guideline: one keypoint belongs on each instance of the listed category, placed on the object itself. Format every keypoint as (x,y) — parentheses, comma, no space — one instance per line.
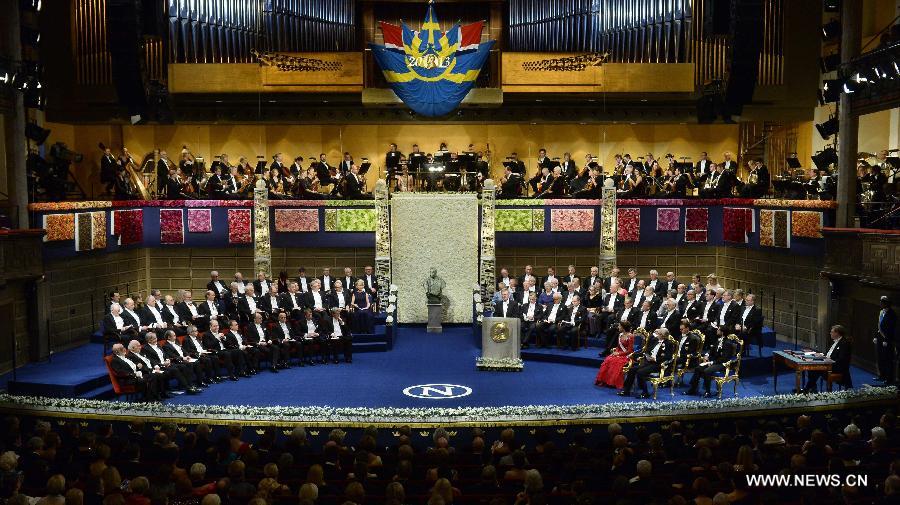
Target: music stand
(793,162)
(364,166)
(416,160)
(893,161)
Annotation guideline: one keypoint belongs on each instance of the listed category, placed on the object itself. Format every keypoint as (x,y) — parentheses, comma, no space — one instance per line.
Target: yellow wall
(372,141)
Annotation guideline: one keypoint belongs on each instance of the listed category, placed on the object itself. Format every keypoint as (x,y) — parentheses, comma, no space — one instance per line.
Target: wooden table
(799,364)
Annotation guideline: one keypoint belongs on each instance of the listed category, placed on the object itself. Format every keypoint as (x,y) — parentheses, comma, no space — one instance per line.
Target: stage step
(359,347)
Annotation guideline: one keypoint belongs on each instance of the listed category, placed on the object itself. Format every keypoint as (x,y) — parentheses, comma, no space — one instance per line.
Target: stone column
(487,265)
(262,243)
(608,229)
(14,136)
(848,141)
(382,241)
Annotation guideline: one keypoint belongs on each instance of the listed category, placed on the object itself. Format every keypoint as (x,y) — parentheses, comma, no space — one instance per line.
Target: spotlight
(828,128)
(831,30)
(830,92)
(31,5)
(832,5)
(829,63)
(851,85)
(36,134)
(825,158)
(34,97)
(30,36)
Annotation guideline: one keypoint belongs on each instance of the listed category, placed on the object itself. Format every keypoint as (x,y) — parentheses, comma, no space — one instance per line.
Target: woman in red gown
(610,373)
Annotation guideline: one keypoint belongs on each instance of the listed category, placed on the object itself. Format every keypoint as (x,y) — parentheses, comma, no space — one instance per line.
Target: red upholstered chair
(118,388)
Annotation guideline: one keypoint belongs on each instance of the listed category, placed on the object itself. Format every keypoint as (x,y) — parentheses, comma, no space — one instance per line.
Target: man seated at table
(839,352)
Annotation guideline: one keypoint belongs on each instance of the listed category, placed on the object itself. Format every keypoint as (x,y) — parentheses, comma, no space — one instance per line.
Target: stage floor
(378,379)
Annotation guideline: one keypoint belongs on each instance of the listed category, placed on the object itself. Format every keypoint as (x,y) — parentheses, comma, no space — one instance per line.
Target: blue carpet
(378,379)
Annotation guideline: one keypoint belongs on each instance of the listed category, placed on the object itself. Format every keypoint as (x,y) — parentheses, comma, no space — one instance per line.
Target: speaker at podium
(500,345)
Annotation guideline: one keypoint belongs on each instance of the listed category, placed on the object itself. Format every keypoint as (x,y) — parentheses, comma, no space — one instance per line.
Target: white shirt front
(144,360)
(303,286)
(284,328)
(722,312)
(644,316)
(574,311)
(120,323)
(340,298)
(706,309)
(569,299)
(831,350)
(132,314)
(293,299)
(220,286)
(263,286)
(326,283)
(193,308)
(746,313)
(241,287)
(317,299)
(177,349)
(158,352)
(130,363)
(337,328)
(612,302)
(310,326)
(505,307)
(625,314)
(251,303)
(175,318)
(552,315)
(238,337)
(273,301)
(529,314)
(156,315)
(197,344)
(655,350)
(213,310)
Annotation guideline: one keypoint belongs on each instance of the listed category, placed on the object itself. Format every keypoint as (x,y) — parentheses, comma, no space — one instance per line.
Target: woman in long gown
(363,318)
(610,373)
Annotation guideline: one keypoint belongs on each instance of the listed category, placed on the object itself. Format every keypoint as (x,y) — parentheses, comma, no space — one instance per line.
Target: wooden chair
(732,368)
(129,390)
(844,382)
(666,371)
(691,360)
(642,349)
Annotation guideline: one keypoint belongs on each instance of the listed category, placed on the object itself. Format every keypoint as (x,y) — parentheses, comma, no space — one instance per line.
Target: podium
(500,345)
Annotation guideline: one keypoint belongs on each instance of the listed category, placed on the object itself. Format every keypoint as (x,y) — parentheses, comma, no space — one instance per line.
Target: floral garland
(449,414)
(501,364)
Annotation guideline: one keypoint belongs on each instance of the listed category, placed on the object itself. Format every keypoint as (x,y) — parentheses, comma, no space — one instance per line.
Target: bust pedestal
(435,311)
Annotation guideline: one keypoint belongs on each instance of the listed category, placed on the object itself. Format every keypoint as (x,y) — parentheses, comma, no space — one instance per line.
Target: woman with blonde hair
(444,490)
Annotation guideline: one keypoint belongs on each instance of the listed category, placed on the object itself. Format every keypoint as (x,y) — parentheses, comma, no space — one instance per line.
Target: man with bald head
(127,372)
(160,378)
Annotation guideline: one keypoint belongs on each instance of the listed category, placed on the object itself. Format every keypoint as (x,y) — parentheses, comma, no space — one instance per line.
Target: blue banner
(430,70)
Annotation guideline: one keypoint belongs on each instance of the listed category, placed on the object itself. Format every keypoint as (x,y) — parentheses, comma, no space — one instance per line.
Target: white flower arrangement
(501,364)
(389,320)
(392,288)
(479,307)
(38,404)
(391,308)
(480,318)
(392,298)
(476,298)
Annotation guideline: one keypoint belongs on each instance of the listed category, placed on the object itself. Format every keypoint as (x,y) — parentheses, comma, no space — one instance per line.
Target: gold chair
(666,371)
(732,368)
(636,360)
(697,338)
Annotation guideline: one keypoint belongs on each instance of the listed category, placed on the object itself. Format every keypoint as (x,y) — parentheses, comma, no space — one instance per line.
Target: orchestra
(447,170)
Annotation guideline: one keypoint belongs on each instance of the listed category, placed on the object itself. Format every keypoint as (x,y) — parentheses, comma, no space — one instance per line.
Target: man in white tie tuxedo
(326,279)
(507,306)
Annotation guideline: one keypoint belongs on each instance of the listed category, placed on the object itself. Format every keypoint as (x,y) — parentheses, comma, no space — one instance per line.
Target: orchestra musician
(704,165)
(510,184)
(555,185)
(163,168)
(631,183)
(593,184)
(109,168)
(823,184)
(758,180)
(392,160)
(215,185)
(569,168)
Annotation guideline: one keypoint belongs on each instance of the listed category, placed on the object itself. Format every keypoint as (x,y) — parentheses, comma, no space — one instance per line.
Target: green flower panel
(350,220)
(519,220)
